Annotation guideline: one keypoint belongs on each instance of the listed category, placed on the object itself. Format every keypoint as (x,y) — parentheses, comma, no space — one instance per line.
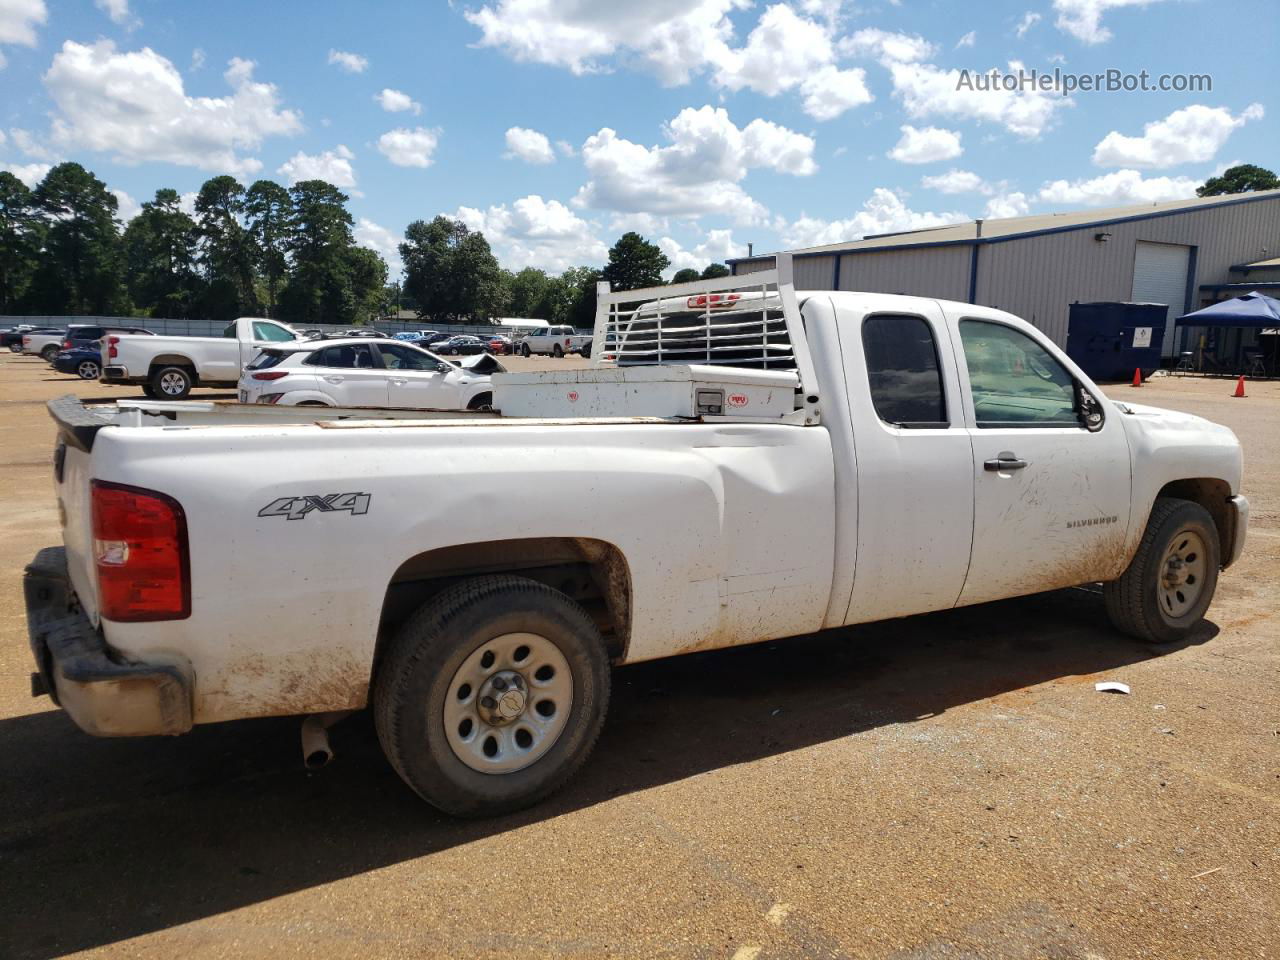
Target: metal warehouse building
(1184,253)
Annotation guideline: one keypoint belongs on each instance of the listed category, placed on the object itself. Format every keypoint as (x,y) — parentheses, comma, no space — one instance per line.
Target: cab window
(346,357)
(269,331)
(230,330)
(395,357)
(903,371)
(1015,381)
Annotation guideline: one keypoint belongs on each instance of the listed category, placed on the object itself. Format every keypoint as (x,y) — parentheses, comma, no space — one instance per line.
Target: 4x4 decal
(295,508)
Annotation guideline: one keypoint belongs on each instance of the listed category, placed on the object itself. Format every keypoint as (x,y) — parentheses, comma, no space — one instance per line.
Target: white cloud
(396,101)
(786,49)
(1028,21)
(1193,134)
(533,232)
(187,203)
(1013,204)
(18,22)
(133,105)
(927,145)
(348,62)
(886,46)
(529,146)
(29,173)
(968,40)
(332,166)
(1083,18)
(117,10)
(1117,189)
(381,240)
(197,59)
(926,90)
(884,212)
(698,173)
(716,247)
(410,148)
(566,148)
(126,207)
(954,181)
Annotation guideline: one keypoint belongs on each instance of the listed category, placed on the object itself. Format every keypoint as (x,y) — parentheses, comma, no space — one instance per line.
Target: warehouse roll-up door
(1160,276)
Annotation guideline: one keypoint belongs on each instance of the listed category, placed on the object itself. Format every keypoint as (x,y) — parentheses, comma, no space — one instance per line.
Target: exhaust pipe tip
(316,751)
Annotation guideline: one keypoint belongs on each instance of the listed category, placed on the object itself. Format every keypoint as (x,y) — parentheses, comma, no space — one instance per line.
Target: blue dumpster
(1110,340)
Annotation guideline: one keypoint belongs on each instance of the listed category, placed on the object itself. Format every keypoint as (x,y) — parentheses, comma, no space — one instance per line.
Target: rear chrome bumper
(1239,528)
(104,694)
(115,372)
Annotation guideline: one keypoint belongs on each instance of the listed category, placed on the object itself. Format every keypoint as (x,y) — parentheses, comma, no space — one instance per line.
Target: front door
(417,380)
(349,375)
(1051,498)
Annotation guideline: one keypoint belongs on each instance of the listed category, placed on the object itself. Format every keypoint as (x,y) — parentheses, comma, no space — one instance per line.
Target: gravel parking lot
(947,786)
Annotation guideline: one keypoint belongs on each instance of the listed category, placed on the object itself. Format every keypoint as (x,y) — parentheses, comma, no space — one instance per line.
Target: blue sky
(554,125)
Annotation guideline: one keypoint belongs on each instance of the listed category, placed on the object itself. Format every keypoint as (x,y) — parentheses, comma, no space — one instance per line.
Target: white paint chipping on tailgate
(285,613)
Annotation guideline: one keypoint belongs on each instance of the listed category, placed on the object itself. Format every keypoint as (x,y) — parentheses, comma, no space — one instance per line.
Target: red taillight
(26,341)
(112,352)
(270,375)
(66,344)
(140,552)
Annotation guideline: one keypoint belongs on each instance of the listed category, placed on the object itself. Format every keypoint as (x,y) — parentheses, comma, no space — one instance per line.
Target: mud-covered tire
(419,671)
(1138,603)
(171,383)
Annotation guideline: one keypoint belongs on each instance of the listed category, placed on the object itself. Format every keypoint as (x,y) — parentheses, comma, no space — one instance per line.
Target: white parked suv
(363,372)
(556,341)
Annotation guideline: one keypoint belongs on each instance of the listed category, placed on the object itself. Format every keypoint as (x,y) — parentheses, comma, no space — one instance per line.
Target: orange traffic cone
(1239,388)
(1137,377)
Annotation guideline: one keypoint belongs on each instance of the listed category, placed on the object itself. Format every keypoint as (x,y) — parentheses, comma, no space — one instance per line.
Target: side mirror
(442,367)
(1088,408)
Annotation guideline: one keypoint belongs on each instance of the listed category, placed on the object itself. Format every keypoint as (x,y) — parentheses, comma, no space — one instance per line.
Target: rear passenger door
(1051,492)
(914,465)
(346,373)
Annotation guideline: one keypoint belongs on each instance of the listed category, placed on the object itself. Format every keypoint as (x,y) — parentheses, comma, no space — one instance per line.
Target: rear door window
(346,357)
(397,357)
(903,371)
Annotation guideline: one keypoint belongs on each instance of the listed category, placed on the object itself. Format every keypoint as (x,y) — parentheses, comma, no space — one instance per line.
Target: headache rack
(750,321)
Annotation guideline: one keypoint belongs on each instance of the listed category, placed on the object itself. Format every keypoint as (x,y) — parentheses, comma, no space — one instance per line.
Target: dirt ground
(947,786)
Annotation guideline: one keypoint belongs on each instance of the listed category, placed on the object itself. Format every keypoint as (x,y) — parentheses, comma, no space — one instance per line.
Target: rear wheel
(556,351)
(1163,595)
(492,695)
(524,350)
(87,370)
(49,352)
(171,383)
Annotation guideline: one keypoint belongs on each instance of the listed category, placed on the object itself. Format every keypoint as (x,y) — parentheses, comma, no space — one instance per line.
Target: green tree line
(258,250)
(268,250)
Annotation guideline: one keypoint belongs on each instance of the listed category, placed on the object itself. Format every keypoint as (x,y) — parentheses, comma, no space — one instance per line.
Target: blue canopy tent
(1253,311)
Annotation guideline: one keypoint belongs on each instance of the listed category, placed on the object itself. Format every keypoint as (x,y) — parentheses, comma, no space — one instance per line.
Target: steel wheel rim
(173,383)
(508,703)
(88,370)
(1183,572)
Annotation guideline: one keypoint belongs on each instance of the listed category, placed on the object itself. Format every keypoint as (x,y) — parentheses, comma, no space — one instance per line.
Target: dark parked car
(13,338)
(499,344)
(88,335)
(428,338)
(84,362)
(464,343)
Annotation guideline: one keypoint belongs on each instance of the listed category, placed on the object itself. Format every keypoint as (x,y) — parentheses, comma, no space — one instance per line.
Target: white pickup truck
(553,341)
(168,367)
(894,456)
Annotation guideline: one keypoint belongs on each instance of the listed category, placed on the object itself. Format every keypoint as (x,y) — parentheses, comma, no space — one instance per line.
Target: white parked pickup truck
(858,457)
(168,367)
(553,341)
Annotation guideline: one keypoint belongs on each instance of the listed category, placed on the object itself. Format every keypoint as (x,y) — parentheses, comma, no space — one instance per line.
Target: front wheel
(87,370)
(1163,595)
(492,695)
(481,401)
(524,350)
(171,383)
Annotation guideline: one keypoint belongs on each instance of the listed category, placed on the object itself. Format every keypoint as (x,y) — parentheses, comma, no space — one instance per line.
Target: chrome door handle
(334,379)
(1006,461)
